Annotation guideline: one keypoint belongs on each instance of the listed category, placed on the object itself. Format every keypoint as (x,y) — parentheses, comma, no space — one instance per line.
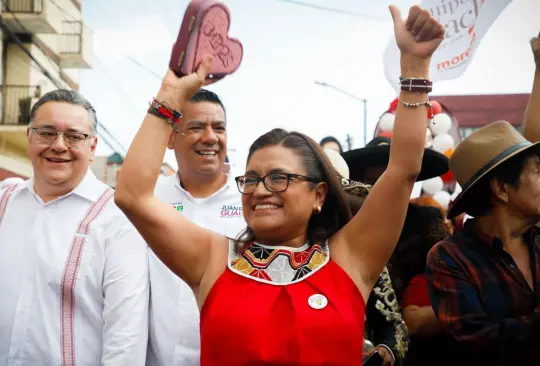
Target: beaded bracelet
(426,104)
(163,111)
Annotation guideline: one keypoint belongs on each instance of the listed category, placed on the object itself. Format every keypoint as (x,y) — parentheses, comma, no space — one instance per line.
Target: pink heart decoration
(205,31)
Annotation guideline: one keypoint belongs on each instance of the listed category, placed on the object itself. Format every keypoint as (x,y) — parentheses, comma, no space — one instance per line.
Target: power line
(335,10)
(129,58)
(44,71)
(143,67)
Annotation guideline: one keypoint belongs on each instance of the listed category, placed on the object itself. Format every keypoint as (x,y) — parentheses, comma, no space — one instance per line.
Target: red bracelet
(162,110)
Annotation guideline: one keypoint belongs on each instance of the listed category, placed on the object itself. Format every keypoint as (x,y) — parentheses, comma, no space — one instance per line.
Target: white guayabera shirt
(73,279)
(174,315)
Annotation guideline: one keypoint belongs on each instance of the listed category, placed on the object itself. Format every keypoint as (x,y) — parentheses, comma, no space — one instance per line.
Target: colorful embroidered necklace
(278,265)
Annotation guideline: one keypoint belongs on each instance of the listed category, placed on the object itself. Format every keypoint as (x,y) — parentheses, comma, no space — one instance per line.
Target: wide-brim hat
(480,153)
(350,186)
(377,153)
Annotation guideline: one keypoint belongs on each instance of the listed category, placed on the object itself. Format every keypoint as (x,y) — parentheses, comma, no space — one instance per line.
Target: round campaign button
(318,301)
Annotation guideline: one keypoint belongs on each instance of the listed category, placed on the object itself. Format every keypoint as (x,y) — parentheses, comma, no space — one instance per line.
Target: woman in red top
(292,289)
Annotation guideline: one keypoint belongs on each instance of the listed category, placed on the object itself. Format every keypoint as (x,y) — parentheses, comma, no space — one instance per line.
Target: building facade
(471,112)
(106,168)
(44,45)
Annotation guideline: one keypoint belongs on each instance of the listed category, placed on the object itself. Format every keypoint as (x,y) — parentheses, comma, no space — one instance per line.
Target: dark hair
(331,139)
(479,198)
(335,212)
(205,95)
(67,96)
(355,203)
(423,228)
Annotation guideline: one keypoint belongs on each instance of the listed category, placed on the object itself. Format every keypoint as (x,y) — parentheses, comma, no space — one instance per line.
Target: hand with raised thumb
(419,35)
(535,46)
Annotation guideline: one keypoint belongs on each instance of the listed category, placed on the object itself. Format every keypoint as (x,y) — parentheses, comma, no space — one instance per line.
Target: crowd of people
(314,256)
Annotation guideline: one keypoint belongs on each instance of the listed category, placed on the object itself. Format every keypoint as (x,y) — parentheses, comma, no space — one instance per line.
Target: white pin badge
(318,301)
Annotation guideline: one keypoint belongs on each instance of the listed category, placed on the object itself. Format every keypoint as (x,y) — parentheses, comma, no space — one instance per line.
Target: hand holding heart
(419,35)
(175,90)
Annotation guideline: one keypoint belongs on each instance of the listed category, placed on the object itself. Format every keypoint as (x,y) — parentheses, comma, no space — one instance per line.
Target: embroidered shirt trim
(278,265)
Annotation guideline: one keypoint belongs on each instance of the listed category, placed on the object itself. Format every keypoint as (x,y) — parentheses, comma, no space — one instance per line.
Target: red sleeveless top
(282,306)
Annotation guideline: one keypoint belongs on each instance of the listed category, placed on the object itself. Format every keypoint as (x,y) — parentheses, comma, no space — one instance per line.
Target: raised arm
(531,123)
(373,233)
(183,246)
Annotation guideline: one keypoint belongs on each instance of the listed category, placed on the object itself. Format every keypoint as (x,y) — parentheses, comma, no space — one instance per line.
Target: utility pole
(350,95)
(349,141)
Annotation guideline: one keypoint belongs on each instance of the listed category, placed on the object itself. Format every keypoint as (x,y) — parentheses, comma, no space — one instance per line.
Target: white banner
(466,22)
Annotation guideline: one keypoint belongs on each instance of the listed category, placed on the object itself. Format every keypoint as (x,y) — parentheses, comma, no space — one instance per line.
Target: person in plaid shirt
(484,281)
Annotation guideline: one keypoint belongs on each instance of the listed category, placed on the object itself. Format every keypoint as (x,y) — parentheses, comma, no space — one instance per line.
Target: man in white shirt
(73,271)
(8,181)
(205,192)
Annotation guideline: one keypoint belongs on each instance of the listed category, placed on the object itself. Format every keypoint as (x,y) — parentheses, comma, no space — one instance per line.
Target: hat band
(494,162)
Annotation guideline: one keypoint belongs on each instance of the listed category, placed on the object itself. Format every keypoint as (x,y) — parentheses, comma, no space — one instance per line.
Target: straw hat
(350,186)
(480,153)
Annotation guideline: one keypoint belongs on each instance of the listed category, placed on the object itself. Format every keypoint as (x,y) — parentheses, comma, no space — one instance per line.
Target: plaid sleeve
(458,306)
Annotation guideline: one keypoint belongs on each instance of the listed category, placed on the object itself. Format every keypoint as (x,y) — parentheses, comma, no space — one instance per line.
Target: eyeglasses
(276,182)
(47,136)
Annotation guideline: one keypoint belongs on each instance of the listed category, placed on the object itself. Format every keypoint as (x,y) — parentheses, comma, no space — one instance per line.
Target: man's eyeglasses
(276,182)
(47,136)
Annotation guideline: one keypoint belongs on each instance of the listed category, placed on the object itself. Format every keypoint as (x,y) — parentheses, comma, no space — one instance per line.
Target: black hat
(377,153)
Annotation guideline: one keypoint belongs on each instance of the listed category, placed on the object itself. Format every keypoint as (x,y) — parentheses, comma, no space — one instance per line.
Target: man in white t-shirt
(73,270)
(204,191)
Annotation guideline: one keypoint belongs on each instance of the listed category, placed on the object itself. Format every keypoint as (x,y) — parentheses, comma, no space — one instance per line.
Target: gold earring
(317,210)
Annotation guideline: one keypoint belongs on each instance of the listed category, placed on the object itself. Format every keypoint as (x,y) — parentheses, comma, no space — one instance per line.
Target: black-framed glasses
(275,182)
(47,136)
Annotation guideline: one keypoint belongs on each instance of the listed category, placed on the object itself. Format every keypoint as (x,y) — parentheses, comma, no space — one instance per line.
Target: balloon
(440,124)
(443,142)
(436,108)
(433,185)
(457,191)
(386,123)
(385,134)
(447,177)
(443,198)
(429,138)
(448,153)
(393,106)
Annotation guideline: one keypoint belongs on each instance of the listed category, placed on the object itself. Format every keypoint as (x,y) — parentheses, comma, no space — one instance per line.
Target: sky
(287,47)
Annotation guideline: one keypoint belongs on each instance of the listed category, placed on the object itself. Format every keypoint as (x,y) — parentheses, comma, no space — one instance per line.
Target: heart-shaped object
(204,31)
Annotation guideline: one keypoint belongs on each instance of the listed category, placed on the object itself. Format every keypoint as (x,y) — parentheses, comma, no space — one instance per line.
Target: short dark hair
(331,139)
(205,95)
(66,96)
(355,203)
(479,198)
(335,212)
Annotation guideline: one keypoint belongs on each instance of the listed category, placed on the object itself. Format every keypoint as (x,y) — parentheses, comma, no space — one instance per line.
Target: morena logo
(231,211)
(178,206)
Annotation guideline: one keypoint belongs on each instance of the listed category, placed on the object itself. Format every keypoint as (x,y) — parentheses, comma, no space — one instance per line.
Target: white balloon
(417,190)
(443,198)
(433,185)
(386,123)
(443,142)
(441,123)
(429,138)
(457,191)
